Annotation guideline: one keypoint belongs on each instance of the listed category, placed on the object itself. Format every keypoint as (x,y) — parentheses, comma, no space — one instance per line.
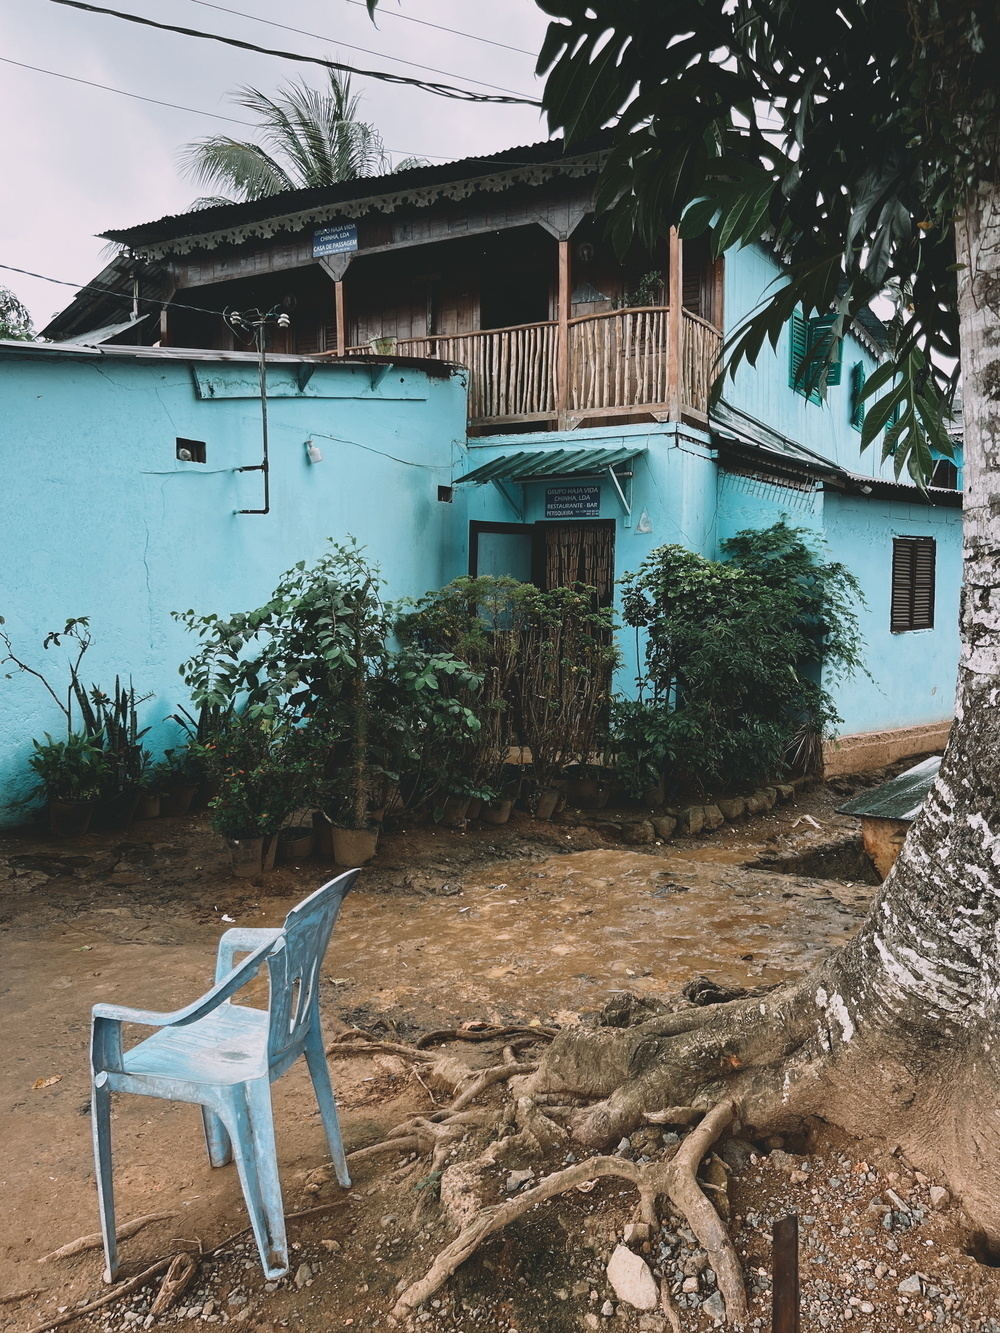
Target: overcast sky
(76,160)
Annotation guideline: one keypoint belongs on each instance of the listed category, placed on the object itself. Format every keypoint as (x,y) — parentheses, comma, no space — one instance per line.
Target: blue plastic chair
(224,1058)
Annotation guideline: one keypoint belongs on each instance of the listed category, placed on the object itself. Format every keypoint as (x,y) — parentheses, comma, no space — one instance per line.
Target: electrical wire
(425,23)
(176,106)
(122,93)
(319,37)
(110,291)
(439,89)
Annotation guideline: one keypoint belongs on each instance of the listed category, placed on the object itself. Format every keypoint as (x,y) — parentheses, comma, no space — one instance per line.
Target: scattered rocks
(631,1279)
(733,807)
(664,826)
(940,1198)
(713,818)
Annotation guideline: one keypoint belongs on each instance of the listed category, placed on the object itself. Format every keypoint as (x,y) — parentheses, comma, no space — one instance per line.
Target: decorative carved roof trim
(418,196)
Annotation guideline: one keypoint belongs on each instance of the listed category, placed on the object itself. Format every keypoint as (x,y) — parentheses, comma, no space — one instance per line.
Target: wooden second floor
(507,273)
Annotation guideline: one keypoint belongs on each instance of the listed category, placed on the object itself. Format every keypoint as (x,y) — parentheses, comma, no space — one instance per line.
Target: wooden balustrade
(619,363)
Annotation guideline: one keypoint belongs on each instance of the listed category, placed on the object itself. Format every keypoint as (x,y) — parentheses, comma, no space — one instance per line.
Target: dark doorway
(550,555)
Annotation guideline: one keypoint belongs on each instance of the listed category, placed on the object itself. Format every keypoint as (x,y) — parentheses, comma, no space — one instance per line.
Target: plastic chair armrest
(241,939)
(220,992)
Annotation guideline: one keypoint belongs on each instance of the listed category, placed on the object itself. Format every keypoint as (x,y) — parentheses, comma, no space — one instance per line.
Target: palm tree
(308,138)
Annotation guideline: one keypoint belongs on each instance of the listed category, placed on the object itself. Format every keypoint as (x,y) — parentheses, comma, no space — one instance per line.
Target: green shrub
(732,659)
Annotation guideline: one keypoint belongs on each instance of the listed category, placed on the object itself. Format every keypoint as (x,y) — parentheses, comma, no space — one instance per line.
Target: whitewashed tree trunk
(897,1034)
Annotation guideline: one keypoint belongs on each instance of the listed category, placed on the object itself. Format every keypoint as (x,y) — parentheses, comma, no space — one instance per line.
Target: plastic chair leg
(251,1131)
(220,1149)
(319,1071)
(100,1115)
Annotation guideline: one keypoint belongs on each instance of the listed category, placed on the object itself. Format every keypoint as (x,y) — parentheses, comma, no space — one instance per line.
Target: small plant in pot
(71,774)
(266,769)
(177,777)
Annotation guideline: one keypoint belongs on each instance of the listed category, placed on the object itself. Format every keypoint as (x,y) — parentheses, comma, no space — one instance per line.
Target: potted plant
(71,774)
(115,718)
(267,768)
(177,777)
(318,652)
(109,723)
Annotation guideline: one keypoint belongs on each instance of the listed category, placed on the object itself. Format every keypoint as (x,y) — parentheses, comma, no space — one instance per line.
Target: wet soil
(530,923)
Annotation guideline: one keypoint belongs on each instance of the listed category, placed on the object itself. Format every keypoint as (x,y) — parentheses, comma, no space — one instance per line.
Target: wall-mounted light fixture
(313,452)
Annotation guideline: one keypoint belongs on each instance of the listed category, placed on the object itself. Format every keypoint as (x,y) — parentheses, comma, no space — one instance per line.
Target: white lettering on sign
(572,501)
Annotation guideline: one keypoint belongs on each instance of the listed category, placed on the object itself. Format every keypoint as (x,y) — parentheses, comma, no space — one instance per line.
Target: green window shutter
(819,340)
(798,342)
(857,387)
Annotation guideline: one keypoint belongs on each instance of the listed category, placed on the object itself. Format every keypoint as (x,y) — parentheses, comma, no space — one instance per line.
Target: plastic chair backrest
(295,962)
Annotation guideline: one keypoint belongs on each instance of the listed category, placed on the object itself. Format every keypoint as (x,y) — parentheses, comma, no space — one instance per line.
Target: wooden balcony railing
(617,363)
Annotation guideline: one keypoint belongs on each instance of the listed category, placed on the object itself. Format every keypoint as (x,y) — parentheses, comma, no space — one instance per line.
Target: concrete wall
(913,673)
(99,519)
(763,390)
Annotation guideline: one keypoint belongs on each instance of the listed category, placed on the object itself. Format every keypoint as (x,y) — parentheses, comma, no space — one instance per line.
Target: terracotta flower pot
(498,812)
(178,800)
(454,811)
(546,803)
(252,856)
(353,847)
(149,805)
(474,808)
(295,844)
(70,819)
(118,811)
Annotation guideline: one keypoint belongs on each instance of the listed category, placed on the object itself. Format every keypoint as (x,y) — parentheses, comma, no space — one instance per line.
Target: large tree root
(676,1178)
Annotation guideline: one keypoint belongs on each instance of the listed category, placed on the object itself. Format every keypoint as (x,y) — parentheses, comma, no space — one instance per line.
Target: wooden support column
(562,347)
(335,267)
(675,326)
(164,328)
(338,288)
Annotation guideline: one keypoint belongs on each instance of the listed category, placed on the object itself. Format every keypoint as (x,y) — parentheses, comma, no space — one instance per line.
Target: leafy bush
(319,651)
(71,770)
(732,659)
(265,770)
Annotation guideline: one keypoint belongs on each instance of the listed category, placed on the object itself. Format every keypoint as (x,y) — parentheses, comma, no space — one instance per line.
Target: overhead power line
(457,32)
(176,106)
(111,291)
(439,89)
(140,97)
(320,37)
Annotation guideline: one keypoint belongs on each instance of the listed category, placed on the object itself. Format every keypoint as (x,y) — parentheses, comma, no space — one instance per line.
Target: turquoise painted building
(492,391)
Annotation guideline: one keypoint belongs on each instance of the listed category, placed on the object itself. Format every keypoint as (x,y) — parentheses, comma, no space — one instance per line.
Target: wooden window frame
(912,588)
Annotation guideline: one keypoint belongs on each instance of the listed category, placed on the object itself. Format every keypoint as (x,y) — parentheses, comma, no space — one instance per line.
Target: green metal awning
(537,464)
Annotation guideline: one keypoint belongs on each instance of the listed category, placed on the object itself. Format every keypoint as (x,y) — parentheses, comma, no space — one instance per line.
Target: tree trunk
(894,1035)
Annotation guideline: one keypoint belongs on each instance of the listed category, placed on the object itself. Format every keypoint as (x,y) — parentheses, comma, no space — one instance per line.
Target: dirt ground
(533,923)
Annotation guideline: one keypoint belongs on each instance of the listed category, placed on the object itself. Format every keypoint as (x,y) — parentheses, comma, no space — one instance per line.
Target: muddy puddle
(554,938)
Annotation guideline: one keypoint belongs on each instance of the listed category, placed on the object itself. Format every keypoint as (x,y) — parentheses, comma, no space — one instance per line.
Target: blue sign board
(336,239)
(572,501)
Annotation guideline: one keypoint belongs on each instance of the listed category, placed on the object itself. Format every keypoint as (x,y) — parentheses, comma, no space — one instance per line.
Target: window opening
(912,604)
(945,475)
(190,451)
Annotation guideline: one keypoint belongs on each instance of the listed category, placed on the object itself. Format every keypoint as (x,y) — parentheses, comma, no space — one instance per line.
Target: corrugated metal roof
(899,798)
(530,464)
(362,187)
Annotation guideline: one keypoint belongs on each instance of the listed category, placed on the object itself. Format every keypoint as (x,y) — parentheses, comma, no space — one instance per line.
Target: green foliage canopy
(846,133)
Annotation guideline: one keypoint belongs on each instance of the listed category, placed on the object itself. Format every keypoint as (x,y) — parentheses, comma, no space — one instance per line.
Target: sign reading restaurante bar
(336,239)
(572,501)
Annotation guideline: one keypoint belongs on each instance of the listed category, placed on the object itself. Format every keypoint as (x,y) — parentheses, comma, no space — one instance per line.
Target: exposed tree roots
(556,1103)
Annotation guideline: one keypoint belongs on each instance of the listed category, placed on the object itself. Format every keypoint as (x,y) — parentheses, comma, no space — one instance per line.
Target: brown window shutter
(913,568)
